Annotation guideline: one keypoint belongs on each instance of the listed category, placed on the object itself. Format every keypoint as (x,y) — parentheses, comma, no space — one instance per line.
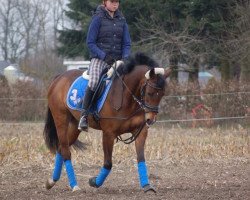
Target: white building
(13,73)
(82,65)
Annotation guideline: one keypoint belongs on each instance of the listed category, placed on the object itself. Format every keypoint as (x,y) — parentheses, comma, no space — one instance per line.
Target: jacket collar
(102,10)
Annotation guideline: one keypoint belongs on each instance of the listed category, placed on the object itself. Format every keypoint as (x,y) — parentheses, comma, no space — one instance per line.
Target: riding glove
(109,59)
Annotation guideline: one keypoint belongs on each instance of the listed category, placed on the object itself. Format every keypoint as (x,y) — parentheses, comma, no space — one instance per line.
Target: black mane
(137,59)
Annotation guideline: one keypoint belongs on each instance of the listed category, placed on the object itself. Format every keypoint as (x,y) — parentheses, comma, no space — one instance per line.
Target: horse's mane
(137,59)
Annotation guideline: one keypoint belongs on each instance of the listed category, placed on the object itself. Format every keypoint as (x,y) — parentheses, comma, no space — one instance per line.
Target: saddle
(78,87)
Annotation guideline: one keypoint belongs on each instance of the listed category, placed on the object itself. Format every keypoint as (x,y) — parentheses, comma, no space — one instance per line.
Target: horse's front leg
(142,167)
(108,143)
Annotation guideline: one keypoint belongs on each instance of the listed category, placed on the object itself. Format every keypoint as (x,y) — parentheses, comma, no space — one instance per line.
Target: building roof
(205,75)
(3,64)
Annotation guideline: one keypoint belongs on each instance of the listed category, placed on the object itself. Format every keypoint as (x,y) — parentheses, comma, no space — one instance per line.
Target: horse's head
(152,92)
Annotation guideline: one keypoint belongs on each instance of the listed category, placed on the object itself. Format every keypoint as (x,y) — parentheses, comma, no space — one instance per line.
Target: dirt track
(200,181)
(22,178)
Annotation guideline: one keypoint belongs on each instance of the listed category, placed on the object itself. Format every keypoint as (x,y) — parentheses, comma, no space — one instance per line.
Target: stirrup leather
(83,123)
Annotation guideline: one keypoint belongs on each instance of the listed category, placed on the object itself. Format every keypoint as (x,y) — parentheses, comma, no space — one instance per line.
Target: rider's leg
(83,123)
(95,68)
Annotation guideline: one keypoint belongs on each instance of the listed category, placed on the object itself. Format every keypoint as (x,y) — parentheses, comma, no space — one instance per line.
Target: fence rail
(169,96)
(203,119)
(204,109)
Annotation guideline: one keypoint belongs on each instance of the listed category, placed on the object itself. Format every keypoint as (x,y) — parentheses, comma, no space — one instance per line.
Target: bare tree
(49,18)
(28,35)
(236,44)
(28,11)
(7,19)
(43,28)
(58,19)
(174,47)
(244,40)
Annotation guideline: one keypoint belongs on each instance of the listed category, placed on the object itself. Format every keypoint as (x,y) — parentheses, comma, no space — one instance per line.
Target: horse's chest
(132,124)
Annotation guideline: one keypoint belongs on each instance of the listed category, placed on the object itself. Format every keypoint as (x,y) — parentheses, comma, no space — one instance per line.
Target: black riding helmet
(111,1)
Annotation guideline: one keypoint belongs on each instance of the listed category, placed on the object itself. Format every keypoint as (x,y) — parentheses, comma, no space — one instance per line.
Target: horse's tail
(50,133)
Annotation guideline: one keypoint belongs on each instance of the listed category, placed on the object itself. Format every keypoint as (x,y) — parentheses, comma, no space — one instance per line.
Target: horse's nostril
(149,121)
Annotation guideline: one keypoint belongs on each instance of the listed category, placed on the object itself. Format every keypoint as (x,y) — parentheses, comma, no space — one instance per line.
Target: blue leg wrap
(142,170)
(102,176)
(70,173)
(58,167)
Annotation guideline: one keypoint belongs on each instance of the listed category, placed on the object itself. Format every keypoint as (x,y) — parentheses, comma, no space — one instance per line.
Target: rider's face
(112,5)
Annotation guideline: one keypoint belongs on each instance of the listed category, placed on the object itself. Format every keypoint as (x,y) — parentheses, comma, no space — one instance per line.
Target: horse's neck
(124,91)
(133,82)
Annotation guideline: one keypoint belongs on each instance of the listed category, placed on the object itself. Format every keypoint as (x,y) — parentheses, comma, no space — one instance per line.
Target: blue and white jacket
(107,35)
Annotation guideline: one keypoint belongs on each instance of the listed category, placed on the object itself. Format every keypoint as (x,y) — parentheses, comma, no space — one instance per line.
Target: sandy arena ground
(23,174)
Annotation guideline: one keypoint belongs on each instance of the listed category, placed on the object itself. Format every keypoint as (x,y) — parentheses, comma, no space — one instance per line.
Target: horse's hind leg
(57,171)
(67,134)
(66,138)
(108,143)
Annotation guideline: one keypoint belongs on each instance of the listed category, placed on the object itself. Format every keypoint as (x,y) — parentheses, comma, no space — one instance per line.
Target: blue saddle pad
(76,93)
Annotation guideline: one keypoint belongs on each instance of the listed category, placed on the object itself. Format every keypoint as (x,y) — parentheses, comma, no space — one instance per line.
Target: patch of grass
(23,144)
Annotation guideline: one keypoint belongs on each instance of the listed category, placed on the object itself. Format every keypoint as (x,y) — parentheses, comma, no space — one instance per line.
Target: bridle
(143,106)
(147,107)
(142,103)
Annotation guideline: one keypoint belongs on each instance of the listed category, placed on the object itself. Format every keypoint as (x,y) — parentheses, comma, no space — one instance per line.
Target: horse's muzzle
(150,118)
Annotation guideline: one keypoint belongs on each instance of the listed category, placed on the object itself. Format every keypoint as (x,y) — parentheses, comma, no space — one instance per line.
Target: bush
(221,99)
(5,94)
(24,101)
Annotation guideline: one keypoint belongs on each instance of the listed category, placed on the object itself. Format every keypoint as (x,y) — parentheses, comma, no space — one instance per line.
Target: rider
(108,40)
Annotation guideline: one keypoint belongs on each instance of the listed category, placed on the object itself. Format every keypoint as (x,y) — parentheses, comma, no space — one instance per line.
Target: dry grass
(22,145)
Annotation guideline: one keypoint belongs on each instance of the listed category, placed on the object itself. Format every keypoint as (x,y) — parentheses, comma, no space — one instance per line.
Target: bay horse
(140,86)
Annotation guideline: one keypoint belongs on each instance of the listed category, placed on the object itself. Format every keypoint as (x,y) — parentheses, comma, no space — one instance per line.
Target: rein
(143,106)
(133,136)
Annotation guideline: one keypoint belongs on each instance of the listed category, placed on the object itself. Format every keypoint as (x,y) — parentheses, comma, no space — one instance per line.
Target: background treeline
(198,33)
(177,31)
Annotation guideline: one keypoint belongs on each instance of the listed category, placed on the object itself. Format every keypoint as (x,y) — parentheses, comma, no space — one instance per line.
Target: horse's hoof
(149,188)
(92,182)
(49,183)
(76,188)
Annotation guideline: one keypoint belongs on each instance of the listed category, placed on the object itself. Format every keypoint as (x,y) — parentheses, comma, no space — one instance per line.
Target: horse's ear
(151,73)
(167,72)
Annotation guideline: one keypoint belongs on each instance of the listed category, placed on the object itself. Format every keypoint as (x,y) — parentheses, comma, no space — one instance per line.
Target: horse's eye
(150,94)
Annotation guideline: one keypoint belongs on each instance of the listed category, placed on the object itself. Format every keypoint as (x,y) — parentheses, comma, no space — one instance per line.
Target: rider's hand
(126,60)
(109,59)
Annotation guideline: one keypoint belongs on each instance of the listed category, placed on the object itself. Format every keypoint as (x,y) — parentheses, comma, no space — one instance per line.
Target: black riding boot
(83,123)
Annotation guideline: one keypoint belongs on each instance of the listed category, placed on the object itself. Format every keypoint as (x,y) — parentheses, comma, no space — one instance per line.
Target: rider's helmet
(111,1)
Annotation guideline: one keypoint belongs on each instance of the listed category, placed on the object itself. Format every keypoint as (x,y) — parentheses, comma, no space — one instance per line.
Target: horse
(138,86)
